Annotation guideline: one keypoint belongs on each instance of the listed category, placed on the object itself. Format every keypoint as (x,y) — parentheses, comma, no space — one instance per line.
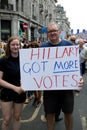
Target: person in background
(29,94)
(2,51)
(55,101)
(81,43)
(37,94)
(68,37)
(73,39)
(37,98)
(12,95)
(83,54)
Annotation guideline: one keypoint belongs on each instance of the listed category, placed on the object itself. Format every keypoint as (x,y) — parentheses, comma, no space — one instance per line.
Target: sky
(76,11)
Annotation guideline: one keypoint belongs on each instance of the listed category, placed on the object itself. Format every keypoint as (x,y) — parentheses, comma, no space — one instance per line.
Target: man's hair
(53,23)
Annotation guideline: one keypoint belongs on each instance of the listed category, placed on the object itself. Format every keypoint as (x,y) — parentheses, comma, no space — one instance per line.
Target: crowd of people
(12,95)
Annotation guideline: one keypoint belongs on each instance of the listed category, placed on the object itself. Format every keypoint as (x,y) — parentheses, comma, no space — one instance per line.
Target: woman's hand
(19,90)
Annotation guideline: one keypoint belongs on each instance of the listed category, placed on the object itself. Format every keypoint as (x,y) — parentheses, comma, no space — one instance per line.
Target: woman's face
(14,46)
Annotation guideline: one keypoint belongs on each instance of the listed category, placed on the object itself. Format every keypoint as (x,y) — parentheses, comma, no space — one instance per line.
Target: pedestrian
(37,94)
(82,51)
(1,50)
(37,98)
(60,99)
(73,39)
(12,95)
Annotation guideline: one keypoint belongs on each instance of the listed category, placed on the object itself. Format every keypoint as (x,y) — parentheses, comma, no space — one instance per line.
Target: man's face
(53,33)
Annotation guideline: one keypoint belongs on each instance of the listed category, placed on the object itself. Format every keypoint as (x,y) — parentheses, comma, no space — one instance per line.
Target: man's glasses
(52,31)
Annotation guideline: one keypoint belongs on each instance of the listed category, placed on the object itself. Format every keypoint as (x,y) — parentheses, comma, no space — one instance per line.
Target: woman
(12,95)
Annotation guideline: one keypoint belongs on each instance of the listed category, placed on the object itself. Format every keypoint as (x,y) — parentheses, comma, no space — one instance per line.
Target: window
(22,5)
(5,29)
(16,5)
(4,4)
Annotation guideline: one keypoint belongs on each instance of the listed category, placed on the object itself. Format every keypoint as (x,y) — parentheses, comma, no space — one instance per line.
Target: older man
(55,101)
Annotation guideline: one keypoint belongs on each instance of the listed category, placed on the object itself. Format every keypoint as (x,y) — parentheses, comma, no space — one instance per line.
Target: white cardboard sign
(51,68)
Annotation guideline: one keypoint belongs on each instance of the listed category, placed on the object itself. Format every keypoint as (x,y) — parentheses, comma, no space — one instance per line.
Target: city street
(33,118)
(36,54)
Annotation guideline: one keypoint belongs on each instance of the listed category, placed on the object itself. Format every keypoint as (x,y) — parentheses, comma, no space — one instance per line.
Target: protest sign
(51,68)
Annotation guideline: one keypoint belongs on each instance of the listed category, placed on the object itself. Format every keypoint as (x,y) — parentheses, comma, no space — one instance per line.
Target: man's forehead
(52,26)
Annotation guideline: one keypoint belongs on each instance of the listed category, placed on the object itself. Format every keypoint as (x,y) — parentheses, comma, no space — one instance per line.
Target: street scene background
(33,117)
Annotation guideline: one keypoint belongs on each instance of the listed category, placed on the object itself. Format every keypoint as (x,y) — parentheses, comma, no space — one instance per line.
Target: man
(55,101)
(83,52)
(73,39)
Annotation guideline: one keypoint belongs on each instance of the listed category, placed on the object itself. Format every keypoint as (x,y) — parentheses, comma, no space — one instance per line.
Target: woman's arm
(5,84)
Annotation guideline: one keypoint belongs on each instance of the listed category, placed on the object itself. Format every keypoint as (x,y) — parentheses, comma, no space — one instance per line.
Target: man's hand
(80,84)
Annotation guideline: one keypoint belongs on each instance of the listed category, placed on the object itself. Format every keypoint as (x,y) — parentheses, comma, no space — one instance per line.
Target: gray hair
(53,23)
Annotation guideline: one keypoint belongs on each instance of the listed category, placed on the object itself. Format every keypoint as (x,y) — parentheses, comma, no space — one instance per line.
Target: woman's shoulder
(2,58)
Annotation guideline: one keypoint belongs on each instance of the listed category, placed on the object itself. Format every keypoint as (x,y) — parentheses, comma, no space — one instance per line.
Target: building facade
(62,21)
(25,18)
